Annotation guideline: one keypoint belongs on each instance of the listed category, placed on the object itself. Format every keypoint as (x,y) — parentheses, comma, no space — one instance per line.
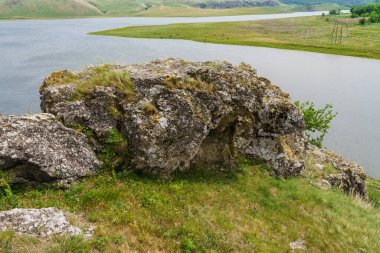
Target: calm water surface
(32,49)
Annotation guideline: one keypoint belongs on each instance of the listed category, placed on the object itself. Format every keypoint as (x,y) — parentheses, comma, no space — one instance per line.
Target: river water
(32,49)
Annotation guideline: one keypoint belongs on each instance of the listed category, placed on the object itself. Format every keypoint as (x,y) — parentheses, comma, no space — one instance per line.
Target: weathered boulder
(45,222)
(176,114)
(38,148)
(347,176)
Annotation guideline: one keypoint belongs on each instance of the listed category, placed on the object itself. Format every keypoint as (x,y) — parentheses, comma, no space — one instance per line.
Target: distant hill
(79,8)
(315,2)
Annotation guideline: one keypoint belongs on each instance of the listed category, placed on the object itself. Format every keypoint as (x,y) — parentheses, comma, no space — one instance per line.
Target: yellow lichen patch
(285,146)
(156,118)
(215,65)
(149,108)
(60,77)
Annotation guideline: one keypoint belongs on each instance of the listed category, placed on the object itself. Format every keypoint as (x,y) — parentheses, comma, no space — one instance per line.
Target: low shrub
(317,121)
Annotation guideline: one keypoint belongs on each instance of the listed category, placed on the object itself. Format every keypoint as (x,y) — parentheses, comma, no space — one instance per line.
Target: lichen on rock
(160,117)
(43,223)
(38,148)
(184,114)
(348,176)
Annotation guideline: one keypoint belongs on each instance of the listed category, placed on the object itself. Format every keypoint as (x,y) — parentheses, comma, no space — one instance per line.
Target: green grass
(169,11)
(46,8)
(374,191)
(201,211)
(117,8)
(304,33)
(92,77)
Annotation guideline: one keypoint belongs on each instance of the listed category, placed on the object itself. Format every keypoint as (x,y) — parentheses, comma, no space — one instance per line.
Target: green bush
(363,11)
(335,12)
(362,21)
(374,17)
(317,121)
(372,11)
(188,246)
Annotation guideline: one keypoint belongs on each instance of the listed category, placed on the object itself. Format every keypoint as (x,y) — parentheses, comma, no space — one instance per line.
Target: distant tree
(335,12)
(367,11)
(317,121)
(374,17)
(362,21)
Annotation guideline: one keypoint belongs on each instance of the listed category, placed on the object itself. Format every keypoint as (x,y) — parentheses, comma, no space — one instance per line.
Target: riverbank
(304,33)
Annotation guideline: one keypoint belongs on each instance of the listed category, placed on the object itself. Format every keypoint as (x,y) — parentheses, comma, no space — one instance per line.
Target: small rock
(300,244)
(322,184)
(350,177)
(319,166)
(45,222)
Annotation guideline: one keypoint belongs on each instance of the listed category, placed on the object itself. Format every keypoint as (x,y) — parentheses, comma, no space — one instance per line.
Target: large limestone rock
(178,114)
(45,222)
(38,148)
(347,176)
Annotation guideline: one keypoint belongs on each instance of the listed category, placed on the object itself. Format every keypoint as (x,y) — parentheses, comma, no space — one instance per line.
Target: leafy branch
(317,121)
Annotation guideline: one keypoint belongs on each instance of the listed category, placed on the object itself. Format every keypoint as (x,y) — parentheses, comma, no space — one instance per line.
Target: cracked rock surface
(182,114)
(45,222)
(349,176)
(38,148)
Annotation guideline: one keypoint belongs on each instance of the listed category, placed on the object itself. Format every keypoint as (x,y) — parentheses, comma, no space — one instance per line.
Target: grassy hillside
(341,2)
(209,211)
(44,8)
(83,8)
(304,33)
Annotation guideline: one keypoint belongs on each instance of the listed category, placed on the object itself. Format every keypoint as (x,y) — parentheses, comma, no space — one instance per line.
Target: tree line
(370,13)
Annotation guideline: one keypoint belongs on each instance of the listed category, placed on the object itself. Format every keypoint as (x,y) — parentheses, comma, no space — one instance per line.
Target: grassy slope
(44,8)
(175,8)
(79,8)
(304,33)
(208,211)
(87,8)
(186,11)
(168,11)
